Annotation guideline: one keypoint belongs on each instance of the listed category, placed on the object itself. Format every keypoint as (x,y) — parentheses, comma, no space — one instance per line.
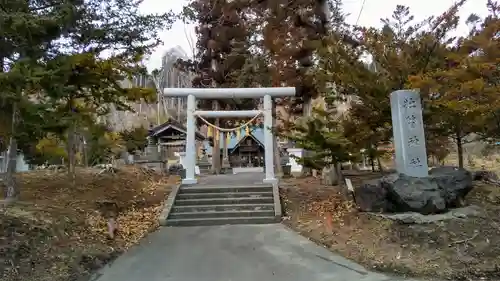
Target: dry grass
(475,162)
(56,231)
(467,249)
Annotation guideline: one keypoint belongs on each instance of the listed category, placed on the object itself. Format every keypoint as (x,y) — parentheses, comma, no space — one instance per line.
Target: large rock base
(444,188)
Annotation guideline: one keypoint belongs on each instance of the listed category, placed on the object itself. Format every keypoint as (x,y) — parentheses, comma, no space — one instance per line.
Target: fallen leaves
(320,213)
(58,231)
(324,203)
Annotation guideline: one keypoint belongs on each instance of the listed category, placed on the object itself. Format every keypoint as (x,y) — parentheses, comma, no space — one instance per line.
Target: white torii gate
(228,93)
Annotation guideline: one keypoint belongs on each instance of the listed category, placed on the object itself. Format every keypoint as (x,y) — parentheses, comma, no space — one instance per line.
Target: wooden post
(216,149)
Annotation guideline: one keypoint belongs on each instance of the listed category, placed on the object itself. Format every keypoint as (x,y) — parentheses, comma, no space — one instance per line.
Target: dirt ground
(57,231)
(458,249)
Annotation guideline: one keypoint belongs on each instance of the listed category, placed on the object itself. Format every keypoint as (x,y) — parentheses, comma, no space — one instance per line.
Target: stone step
(219,189)
(224,195)
(223,201)
(221,208)
(205,170)
(220,214)
(222,221)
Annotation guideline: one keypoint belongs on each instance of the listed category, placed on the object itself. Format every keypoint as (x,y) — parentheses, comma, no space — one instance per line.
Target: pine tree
(290,34)
(464,93)
(223,49)
(323,137)
(400,49)
(104,47)
(28,33)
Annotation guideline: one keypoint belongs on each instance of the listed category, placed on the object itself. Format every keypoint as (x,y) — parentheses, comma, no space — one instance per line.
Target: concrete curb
(169,203)
(277,202)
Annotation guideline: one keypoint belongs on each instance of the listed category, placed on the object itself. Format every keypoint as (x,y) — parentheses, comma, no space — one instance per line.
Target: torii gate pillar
(228,93)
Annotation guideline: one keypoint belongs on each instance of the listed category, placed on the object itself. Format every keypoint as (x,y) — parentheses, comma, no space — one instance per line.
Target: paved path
(233,253)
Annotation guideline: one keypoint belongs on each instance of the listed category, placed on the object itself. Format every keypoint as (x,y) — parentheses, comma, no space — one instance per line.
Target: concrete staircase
(220,205)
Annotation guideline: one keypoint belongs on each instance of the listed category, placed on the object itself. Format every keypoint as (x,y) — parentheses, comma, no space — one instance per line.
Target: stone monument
(204,163)
(296,169)
(408,132)
(413,188)
(182,162)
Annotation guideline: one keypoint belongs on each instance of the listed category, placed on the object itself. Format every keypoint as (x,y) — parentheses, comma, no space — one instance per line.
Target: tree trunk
(277,158)
(225,153)
(340,176)
(216,149)
(11,190)
(460,149)
(72,151)
(278,170)
(85,155)
(379,163)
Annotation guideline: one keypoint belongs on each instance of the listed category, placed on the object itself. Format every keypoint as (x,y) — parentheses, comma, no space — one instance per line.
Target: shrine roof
(257,133)
(171,124)
(260,143)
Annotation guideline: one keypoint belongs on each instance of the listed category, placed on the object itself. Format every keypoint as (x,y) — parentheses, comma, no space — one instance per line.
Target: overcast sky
(370,15)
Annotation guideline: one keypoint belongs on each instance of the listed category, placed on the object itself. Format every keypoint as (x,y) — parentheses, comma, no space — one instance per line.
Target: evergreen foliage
(63,64)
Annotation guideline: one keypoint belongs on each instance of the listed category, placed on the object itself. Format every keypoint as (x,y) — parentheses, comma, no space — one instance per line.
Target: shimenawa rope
(230,130)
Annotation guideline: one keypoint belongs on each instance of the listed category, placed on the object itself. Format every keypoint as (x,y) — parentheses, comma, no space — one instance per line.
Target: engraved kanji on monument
(408,131)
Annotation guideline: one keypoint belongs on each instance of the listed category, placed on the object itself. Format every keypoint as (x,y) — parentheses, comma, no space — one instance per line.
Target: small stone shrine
(413,188)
